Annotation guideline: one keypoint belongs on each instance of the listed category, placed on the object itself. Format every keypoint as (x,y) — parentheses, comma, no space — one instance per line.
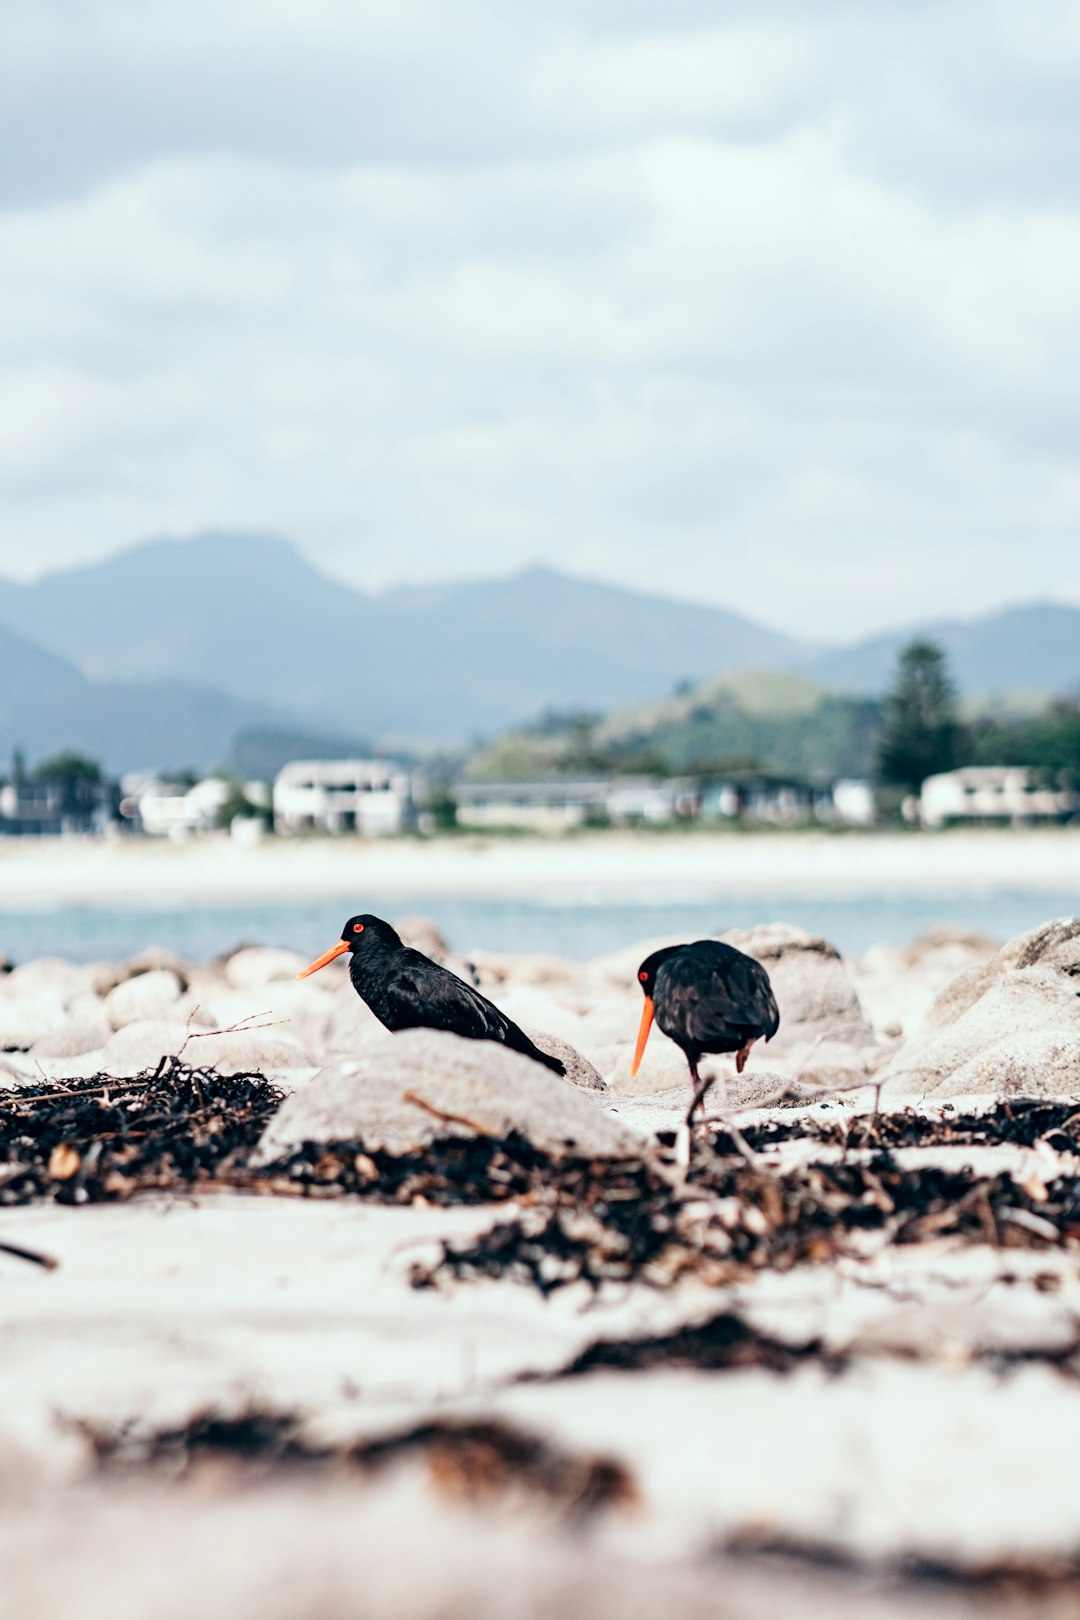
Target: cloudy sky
(771,304)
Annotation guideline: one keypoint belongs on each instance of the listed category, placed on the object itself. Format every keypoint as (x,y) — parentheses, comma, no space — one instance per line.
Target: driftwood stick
(450,1119)
(35,1257)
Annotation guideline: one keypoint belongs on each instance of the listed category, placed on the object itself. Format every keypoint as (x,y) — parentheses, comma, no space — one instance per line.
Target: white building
(992,793)
(170,810)
(368,796)
(854,803)
(553,806)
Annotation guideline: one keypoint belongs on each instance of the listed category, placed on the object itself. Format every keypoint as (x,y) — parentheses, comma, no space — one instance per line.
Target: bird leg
(741,1056)
(701,1088)
(682,1135)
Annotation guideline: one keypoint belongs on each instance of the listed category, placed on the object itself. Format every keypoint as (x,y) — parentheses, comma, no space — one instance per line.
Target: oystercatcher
(706,997)
(407,990)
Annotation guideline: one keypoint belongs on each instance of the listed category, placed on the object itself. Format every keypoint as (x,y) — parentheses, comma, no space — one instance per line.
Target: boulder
(29,1018)
(897,985)
(1006,1027)
(253,1051)
(84,1031)
(255,965)
(813,987)
(350,1024)
(142,1045)
(154,959)
(150,995)
(424,1084)
(421,934)
(48,975)
(663,1068)
(579,1071)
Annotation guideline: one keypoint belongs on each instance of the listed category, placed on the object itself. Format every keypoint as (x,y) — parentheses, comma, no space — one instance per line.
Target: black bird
(707,997)
(407,990)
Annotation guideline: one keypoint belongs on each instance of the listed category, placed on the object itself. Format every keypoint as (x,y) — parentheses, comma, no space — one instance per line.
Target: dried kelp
(105,1138)
(471,1461)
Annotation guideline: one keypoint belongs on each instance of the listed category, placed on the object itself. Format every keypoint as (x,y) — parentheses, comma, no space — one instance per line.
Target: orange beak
(327,956)
(642,1034)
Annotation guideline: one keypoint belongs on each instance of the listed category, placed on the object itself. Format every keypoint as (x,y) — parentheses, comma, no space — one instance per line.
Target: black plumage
(707,997)
(407,990)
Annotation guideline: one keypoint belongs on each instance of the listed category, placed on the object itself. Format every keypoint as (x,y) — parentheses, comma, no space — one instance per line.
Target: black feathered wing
(421,994)
(713,997)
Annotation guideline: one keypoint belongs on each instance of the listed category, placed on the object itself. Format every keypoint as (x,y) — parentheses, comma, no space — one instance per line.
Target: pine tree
(922,734)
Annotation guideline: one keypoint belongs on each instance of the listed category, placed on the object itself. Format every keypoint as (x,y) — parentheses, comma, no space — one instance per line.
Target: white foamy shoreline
(594,868)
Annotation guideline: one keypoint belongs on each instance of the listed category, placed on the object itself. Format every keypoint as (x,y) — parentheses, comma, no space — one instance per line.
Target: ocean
(575,930)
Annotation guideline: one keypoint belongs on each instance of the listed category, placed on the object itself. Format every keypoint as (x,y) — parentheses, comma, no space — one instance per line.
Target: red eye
(644,977)
(358,928)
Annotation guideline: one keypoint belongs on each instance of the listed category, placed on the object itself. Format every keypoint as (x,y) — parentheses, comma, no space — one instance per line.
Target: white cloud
(690,307)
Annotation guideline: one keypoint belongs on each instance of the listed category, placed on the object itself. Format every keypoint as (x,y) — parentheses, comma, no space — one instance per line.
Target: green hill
(753,721)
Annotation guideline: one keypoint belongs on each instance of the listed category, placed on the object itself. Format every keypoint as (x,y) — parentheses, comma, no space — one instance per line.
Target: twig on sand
(244,1026)
(35,1257)
(450,1119)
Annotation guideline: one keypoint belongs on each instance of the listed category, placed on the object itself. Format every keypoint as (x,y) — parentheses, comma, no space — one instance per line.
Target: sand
(698,864)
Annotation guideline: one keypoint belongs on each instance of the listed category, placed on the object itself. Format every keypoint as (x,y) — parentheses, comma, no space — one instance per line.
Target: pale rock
(475,1081)
(812,986)
(528,1006)
(151,995)
(612,1022)
(255,965)
(299,1010)
(421,934)
(30,1017)
(154,959)
(579,1071)
(252,1051)
(663,1068)
(1007,1027)
(898,985)
(142,1045)
(620,968)
(84,1031)
(194,1011)
(350,1024)
(48,975)
(492,967)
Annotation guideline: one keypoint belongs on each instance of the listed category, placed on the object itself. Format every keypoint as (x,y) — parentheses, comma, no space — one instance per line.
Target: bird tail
(520,1042)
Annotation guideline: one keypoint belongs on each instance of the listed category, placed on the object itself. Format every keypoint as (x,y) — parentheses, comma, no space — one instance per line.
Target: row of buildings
(378,798)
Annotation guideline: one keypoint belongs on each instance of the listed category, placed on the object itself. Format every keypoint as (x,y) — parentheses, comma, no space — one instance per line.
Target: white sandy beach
(587,866)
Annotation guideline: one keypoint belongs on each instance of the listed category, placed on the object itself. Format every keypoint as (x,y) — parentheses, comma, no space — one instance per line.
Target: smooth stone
(421,934)
(142,1045)
(463,1084)
(153,959)
(254,1051)
(151,995)
(30,1017)
(579,1071)
(85,1032)
(255,965)
(1007,1027)
(810,981)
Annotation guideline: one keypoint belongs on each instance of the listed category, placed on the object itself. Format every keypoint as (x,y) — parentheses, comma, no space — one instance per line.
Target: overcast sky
(772,305)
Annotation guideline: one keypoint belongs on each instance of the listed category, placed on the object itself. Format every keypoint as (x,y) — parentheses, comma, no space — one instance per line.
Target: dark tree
(922,733)
(79,780)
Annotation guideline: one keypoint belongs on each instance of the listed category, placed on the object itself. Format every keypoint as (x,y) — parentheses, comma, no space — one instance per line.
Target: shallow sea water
(576,931)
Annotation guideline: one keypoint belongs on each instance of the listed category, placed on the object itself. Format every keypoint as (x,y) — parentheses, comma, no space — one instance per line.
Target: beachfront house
(778,801)
(177,810)
(30,808)
(554,806)
(373,797)
(646,800)
(993,793)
